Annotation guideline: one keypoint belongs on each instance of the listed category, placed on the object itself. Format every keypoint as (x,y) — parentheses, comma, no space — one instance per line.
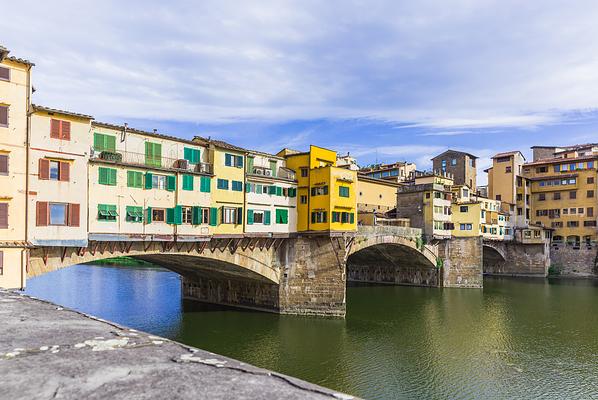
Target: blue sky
(384,80)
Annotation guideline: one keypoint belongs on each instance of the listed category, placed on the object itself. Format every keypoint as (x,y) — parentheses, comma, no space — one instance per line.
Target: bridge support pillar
(313,280)
(462,262)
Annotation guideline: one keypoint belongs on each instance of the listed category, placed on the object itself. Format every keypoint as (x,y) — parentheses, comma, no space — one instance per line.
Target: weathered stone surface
(571,261)
(462,262)
(512,258)
(50,352)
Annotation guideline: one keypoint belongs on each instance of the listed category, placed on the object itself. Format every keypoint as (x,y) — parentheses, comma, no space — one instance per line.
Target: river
(516,338)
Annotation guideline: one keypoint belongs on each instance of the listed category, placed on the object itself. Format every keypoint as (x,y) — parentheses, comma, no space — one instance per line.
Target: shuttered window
(237,186)
(103,142)
(153,154)
(3,164)
(74,214)
(54,170)
(222,184)
(3,116)
(205,184)
(107,176)
(107,212)
(187,182)
(41,213)
(4,74)
(282,216)
(3,215)
(192,155)
(134,214)
(135,179)
(343,191)
(60,129)
(174,216)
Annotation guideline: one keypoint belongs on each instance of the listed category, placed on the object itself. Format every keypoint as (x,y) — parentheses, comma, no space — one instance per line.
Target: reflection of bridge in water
(303,274)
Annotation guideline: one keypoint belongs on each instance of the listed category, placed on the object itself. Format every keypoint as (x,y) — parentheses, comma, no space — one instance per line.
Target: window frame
(7,107)
(66,211)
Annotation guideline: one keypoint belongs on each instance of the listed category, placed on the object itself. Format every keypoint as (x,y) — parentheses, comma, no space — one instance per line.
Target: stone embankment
(47,352)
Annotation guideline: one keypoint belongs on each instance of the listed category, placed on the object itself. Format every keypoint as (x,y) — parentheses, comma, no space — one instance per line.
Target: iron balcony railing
(282,173)
(127,157)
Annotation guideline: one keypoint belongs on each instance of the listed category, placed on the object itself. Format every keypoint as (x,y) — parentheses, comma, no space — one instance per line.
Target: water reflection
(513,339)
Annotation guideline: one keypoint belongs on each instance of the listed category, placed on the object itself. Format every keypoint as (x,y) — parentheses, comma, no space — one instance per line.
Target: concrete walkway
(48,352)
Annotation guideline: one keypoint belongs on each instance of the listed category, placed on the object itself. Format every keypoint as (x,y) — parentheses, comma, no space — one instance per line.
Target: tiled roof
(507,153)
(144,133)
(454,151)
(37,107)
(20,60)
(560,160)
(575,147)
(220,143)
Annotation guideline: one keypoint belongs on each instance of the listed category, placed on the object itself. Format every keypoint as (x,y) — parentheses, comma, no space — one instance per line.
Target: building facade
(396,172)
(461,165)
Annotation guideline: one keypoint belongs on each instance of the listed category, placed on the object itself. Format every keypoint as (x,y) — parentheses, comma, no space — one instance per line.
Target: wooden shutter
(239,215)
(3,215)
(213,216)
(65,130)
(3,164)
(249,217)
(44,169)
(3,115)
(74,214)
(42,213)
(64,171)
(1,262)
(55,128)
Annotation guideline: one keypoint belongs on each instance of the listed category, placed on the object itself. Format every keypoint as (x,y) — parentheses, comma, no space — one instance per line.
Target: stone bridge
(305,274)
(515,258)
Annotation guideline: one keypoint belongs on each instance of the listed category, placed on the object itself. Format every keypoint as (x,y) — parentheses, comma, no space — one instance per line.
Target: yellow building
(326,193)
(228,194)
(376,195)
(15,94)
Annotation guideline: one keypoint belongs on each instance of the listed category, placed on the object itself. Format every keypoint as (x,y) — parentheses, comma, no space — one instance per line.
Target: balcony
(130,158)
(283,173)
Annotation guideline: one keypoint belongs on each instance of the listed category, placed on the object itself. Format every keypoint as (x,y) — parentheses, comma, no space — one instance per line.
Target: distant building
(397,172)
(461,165)
(347,161)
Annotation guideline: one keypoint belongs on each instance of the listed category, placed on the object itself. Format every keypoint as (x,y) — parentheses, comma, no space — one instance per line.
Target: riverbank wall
(575,261)
(47,351)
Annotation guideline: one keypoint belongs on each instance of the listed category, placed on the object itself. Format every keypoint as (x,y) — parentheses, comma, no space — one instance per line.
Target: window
(282,216)
(231,215)
(565,211)
(204,184)
(573,194)
(158,214)
(107,176)
(153,154)
(589,223)
(258,217)
(237,186)
(572,224)
(343,191)
(53,170)
(580,210)
(222,184)
(107,212)
(134,214)
(303,199)
(319,191)
(60,129)
(318,217)
(443,165)
(4,74)
(187,215)
(103,142)
(3,164)
(465,227)
(541,197)
(556,196)
(463,209)
(590,180)
(590,194)
(519,211)
(541,170)
(134,179)
(3,215)
(161,182)
(572,210)
(4,116)
(231,160)
(498,197)
(590,164)
(304,172)
(427,195)
(590,211)
(508,169)
(336,216)
(192,155)
(454,161)
(187,182)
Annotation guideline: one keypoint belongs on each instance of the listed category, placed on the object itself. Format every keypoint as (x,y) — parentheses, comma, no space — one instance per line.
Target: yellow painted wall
(471,216)
(375,196)
(227,198)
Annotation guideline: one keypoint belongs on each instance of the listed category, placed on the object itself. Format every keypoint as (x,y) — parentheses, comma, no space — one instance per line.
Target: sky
(383,80)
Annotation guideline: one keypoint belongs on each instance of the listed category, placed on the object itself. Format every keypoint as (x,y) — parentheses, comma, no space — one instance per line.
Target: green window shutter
(131,179)
(277,219)
(292,192)
(148,215)
(112,177)
(205,184)
(228,160)
(285,216)
(249,217)
(247,187)
(352,218)
(196,215)
(98,141)
(188,154)
(187,182)
(171,183)
(153,154)
(273,167)
(213,216)
(192,155)
(170,216)
(272,190)
(249,165)
(343,191)
(148,180)
(110,143)
(278,191)
(178,215)
(138,179)
(267,217)
(239,215)
(103,176)
(239,162)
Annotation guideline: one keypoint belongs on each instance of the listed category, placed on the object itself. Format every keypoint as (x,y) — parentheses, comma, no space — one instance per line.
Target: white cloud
(453,66)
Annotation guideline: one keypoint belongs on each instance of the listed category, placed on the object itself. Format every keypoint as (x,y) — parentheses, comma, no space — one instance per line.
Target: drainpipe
(27,146)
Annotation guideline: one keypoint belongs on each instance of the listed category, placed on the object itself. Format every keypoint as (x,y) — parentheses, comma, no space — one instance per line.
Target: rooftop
(37,107)
(508,153)
(454,151)
(4,56)
(560,160)
(142,132)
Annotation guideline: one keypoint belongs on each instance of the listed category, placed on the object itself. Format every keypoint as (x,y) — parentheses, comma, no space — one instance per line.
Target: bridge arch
(393,259)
